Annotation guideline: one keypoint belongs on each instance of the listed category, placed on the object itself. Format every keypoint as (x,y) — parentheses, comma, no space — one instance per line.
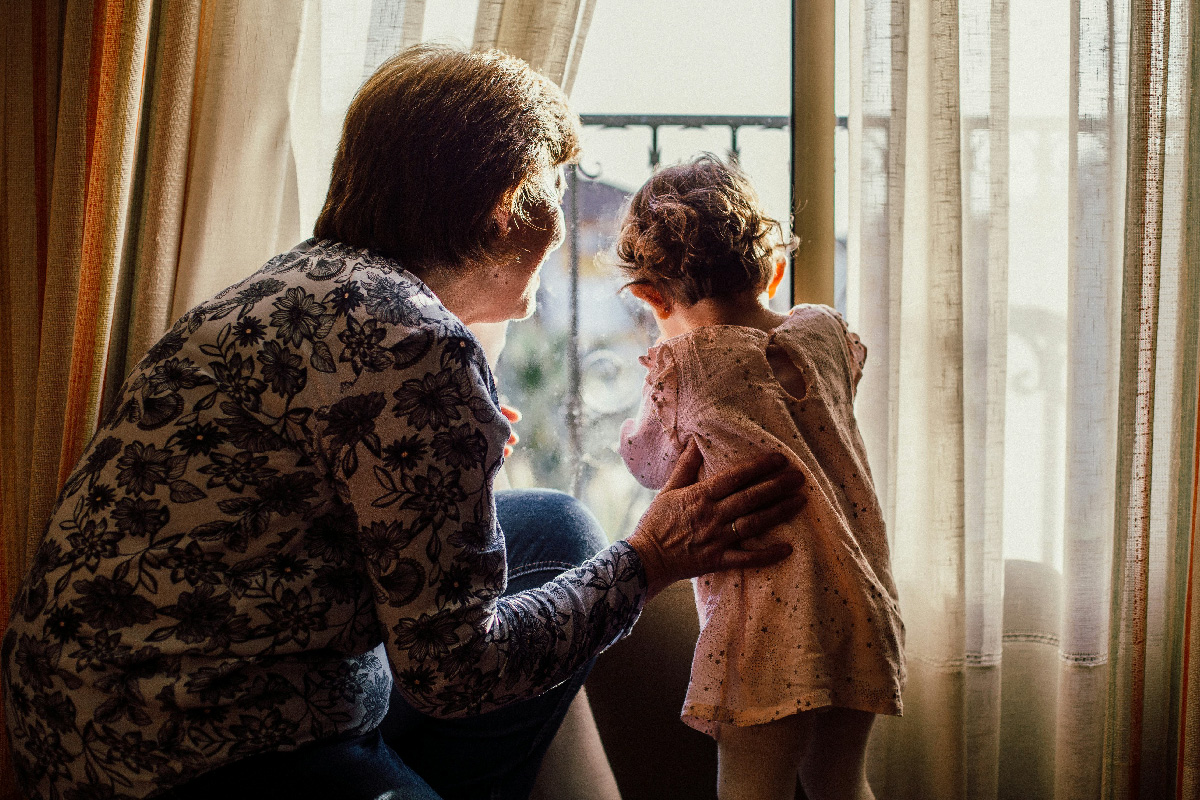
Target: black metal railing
(656,121)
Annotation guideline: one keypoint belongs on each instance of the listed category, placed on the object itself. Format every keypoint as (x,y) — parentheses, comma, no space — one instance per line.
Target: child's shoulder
(714,342)
(814,317)
(808,313)
(819,327)
(704,353)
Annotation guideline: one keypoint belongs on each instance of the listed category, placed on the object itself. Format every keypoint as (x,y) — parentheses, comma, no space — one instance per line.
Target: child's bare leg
(834,765)
(758,762)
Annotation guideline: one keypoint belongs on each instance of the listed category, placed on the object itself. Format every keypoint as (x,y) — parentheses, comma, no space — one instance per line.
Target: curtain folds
(156,209)
(1024,272)
(1096,119)
(103,46)
(549,35)
(240,205)
(77,66)
(72,86)
(1188,777)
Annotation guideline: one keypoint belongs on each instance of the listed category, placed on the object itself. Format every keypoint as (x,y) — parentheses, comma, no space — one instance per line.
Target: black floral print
(98,498)
(404,453)
(248,332)
(283,370)
(136,517)
(460,446)
(237,471)
(298,316)
(144,468)
(288,508)
(388,301)
(344,299)
(362,346)
(429,402)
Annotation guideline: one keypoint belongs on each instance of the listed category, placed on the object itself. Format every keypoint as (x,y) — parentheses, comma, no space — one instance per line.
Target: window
(658,83)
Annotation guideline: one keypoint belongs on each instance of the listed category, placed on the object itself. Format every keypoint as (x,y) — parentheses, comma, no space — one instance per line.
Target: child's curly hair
(698,230)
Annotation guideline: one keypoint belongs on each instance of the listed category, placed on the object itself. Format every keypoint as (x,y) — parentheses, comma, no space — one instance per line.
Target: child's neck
(746,309)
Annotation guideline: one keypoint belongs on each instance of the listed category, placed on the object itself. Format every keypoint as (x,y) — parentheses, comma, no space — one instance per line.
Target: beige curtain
(1018,259)
(549,35)
(151,248)
(240,204)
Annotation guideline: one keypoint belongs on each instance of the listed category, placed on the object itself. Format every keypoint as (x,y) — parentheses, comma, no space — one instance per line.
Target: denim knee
(546,531)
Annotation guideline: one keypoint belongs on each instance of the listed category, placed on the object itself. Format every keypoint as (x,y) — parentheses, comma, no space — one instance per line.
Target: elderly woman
(289,509)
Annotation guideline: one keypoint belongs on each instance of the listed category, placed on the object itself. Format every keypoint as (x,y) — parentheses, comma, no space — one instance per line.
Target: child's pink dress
(821,628)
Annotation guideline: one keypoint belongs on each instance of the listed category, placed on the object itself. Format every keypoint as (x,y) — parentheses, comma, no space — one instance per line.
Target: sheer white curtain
(1018,260)
(274,79)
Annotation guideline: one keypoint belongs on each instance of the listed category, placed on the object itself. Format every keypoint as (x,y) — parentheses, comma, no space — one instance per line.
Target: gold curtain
(72,95)
(1188,777)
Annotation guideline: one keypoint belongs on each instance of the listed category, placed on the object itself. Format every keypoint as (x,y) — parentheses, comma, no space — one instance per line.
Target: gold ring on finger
(734,524)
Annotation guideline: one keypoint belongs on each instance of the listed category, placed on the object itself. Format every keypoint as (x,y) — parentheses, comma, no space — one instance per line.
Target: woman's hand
(719,523)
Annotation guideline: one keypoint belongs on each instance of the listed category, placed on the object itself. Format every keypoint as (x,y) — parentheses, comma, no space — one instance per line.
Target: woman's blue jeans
(415,757)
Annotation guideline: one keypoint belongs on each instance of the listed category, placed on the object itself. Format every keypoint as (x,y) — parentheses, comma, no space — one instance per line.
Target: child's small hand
(513,416)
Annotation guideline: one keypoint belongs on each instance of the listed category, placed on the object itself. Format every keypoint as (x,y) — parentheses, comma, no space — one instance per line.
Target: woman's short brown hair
(698,230)
(433,143)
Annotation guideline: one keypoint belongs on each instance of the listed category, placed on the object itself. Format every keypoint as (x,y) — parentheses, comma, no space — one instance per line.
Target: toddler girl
(794,660)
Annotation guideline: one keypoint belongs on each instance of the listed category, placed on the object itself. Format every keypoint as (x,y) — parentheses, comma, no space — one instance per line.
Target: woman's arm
(426,442)
(414,447)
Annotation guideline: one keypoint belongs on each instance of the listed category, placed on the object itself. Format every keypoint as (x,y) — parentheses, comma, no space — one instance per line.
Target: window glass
(713,58)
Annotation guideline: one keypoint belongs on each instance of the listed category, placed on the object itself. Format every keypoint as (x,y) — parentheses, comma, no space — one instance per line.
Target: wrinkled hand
(690,528)
(513,416)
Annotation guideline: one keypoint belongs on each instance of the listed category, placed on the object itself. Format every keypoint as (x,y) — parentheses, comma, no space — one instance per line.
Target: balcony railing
(656,121)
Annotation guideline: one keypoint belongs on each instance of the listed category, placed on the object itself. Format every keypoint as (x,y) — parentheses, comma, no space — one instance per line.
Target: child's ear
(648,294)
(502,216)
(773,286)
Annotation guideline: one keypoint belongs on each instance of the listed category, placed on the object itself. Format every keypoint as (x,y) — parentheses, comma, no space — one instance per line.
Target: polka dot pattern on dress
(822,627)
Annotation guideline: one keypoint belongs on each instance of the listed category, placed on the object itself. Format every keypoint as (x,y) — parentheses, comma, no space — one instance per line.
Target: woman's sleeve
(650,444)
(414,452)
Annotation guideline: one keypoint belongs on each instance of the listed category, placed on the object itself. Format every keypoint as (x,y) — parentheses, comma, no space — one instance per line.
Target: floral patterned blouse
(293,490)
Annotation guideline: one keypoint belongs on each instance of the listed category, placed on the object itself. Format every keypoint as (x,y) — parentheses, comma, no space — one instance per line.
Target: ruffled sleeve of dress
(857,352)
(650,444)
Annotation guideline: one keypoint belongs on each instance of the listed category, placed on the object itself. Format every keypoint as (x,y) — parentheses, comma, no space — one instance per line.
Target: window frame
(813,263)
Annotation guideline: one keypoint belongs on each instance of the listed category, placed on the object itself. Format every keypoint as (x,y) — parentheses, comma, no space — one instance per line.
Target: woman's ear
(773,286)
(653,297)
